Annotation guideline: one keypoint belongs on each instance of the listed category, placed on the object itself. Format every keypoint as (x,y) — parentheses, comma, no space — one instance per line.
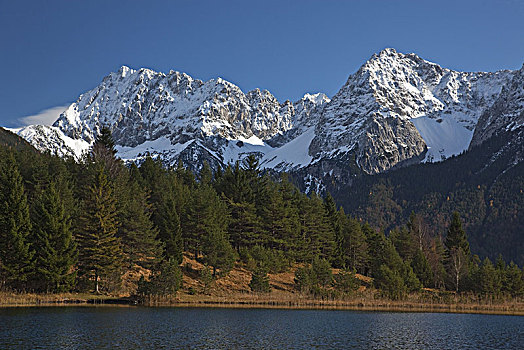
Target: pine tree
(206,174)
(515,280)
(166,280)
(260,281)
(55,250)
(404,242)
(205,232)
(100,250)
(105,139)
(458,254)
(352,246)
(422,269)
(16,254)
(168,197)
(335,220)
(456,236)
(375,242)
(138,234)
(167,221)
(245,225)
(316,230)
(280,217)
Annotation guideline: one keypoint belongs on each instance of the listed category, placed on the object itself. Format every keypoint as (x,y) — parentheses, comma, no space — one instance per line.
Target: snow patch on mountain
(444,137)
(48,138)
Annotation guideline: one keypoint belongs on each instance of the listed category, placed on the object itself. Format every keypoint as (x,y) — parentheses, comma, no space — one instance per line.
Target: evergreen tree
(137,232)
(280,217)
(422,269)
(458,254)
(206,224)
(100,250)
(456,236)
(16,254)
(375,242)
(206,174)
(390,282)
(316,230)
(105,139)
(168,196)
(104,152)
(487,278)
(55,250)
(404,242)
(167,221)
(245,225)
(166,280)
(352,246)
(515,280)
(260,281)
(436,256)
(321,272)
(334,220)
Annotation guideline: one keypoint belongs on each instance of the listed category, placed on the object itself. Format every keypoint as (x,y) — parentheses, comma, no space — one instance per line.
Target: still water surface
(207,328)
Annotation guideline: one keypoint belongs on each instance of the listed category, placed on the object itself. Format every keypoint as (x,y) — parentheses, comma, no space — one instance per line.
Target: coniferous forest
(90,225)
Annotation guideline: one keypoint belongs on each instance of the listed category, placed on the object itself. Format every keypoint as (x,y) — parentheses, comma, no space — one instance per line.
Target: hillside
(485,185)
(10,139)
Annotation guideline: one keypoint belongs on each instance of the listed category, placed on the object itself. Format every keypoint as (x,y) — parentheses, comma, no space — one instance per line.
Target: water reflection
(132,328)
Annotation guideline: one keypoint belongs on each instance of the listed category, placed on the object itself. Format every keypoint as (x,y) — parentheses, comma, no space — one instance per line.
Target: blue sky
(52,51)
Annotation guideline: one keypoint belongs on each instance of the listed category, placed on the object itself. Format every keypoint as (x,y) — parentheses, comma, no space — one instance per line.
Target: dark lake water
(206,328)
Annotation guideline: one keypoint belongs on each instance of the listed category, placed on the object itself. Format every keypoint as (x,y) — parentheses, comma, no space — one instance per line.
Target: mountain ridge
(397,109)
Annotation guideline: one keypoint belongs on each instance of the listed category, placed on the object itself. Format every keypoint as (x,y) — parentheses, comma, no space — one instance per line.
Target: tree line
(86,226)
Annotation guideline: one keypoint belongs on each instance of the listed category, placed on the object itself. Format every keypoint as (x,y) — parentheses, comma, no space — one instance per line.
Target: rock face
(395,105)
(505,116)
(397,109)
(507,113)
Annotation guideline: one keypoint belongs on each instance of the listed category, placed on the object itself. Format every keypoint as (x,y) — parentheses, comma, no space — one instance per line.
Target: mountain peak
(388,51)
(125,70)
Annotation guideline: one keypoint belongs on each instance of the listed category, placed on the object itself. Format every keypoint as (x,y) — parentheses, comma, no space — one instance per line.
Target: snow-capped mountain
(396,105)
(396,109)
(505,116)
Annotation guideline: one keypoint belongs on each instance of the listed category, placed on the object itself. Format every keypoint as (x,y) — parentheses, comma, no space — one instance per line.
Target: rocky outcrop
(506,113)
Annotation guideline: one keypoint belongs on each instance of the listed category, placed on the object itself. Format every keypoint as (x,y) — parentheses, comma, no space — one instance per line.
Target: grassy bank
(233,291)
(277,299)
(361,303)
(10,299)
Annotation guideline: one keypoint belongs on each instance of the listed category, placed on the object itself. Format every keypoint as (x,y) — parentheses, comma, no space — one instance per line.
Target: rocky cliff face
(398,107)
(505,116)
(506,113)
(395,110)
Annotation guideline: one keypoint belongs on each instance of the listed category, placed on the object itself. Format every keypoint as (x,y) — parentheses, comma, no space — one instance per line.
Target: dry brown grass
(38,299)
(233,290)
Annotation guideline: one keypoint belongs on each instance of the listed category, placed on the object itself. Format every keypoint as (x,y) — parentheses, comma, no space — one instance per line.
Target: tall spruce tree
(169,197)
(138,234)
(100,257)
(353,246)
(405,242)
(458,254)
(16,254)
(207,220)
(280,218)
(55,250)
(456,236)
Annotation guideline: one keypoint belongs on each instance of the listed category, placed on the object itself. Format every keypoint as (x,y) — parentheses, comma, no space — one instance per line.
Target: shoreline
(257,302)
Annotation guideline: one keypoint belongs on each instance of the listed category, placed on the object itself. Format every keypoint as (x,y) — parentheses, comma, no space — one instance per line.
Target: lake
(214,328)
